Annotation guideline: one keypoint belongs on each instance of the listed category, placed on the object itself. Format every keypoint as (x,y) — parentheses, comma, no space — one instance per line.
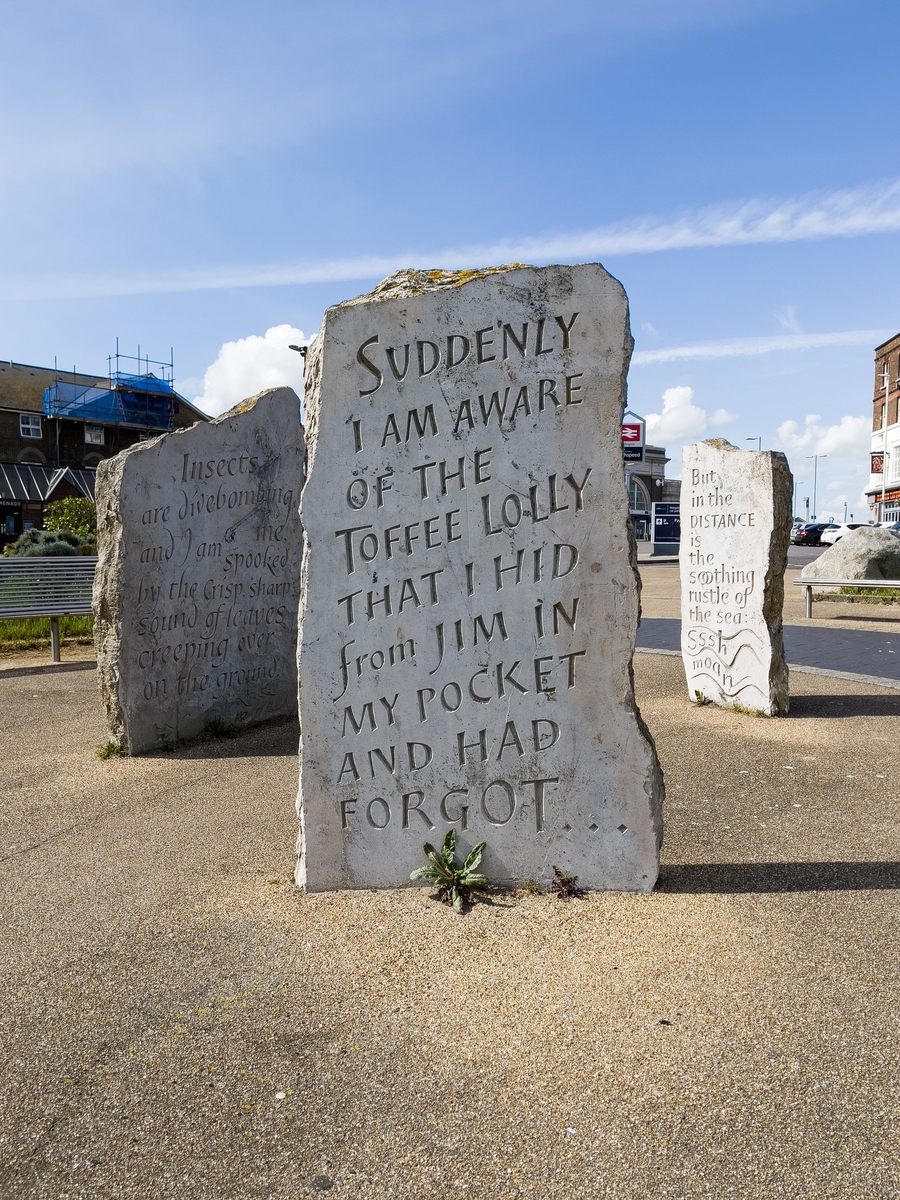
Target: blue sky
(195,175)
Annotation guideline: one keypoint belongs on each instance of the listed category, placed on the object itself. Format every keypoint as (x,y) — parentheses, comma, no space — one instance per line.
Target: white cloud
(682,421)
(750,347)
(842,466)
(788,319)
(722,417)
(850,438)
(851,212)
(251,365)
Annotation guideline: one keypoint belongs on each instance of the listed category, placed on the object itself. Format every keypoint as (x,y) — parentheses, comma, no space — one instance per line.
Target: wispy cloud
(748,347)
(814,216)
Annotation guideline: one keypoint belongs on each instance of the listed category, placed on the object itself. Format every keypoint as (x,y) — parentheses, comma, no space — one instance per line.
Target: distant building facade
(55,427)
(647,484)
(883,492)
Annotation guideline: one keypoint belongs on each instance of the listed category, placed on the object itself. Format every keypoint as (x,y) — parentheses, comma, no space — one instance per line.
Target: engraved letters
(460,660)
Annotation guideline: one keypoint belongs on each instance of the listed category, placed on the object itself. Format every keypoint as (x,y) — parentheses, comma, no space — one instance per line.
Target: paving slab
(179,1020)
(856,651)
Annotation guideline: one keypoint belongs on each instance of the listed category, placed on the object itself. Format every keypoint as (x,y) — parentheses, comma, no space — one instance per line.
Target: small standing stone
(735,523)
(470,594)
(197,585)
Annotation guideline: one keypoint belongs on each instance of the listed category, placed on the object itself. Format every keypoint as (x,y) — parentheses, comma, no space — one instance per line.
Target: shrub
(77,516)
(45,543)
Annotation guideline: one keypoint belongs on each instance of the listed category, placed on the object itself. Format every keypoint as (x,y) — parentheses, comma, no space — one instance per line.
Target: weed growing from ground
(112,750)
(224,729)
(456,881)
(565,887)
(528,888)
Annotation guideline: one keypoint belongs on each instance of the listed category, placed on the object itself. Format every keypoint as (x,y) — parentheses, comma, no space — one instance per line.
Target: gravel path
(178,1021)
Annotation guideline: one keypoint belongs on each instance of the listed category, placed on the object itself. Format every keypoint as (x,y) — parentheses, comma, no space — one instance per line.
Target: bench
(809,584)
(47,587)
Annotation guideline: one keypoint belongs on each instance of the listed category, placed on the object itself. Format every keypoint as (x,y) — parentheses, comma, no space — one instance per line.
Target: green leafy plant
(112,750)
(456,881)
(565,886)
(49,543)
(76,514)
(528,888)
(215,727)
(700,699)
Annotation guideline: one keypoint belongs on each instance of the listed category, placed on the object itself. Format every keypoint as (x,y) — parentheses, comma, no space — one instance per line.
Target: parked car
(808,535)
(891,527)
(834,533)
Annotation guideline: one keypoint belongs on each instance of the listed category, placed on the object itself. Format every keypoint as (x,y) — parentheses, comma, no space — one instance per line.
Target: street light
(301,350)
(758,441)
(815,458)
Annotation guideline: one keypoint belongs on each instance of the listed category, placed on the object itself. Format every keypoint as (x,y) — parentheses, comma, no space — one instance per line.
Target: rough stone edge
(773,596)
(107,599)
(412,282)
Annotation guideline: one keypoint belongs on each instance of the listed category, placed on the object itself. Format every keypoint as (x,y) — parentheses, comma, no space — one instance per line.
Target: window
(637,497)
(895,463)
(93,435)
(29,425)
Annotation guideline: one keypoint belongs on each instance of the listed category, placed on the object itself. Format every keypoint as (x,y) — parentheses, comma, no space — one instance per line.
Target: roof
(889,342)
(22,386)
(28,481)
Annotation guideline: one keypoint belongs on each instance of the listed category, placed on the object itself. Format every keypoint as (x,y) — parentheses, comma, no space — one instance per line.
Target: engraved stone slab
(470,596)
(197,584)
(735,521)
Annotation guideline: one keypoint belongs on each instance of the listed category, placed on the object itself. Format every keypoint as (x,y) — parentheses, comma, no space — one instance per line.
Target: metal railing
(809,584)
(47,587)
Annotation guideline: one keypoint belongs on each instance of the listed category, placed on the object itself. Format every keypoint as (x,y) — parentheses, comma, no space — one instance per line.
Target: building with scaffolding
(56,426)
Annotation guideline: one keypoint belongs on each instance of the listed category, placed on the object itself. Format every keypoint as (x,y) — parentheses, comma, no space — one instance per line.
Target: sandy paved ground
(178,1021)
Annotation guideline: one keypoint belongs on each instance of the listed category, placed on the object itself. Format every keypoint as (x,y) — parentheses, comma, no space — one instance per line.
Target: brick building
(883,492)
(55,427)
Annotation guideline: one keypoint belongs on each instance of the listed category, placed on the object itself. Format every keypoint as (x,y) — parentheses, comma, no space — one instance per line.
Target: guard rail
(809,584)
(47,587)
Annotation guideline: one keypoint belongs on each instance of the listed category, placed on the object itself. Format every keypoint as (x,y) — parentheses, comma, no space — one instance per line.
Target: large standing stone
(735,522)
(470,597)
(197,585)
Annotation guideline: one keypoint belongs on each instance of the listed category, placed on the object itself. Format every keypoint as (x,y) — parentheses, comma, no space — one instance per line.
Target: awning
(29,481)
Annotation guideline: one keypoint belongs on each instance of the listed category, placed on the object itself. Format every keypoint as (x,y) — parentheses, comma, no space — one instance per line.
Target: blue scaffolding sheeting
(142,400)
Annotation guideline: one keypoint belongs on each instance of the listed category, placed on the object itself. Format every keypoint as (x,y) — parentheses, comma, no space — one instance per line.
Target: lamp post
(301,350)
(815,458)
(758,441)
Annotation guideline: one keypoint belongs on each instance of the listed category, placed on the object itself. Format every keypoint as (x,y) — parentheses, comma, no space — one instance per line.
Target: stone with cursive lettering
(735,521)
(470,596)
(198,579)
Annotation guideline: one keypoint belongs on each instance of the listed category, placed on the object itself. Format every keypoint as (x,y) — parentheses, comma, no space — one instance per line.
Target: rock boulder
(864,553)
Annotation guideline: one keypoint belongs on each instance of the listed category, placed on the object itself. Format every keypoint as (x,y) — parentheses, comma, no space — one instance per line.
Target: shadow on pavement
(845,706)
(279,737)
(779,877)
